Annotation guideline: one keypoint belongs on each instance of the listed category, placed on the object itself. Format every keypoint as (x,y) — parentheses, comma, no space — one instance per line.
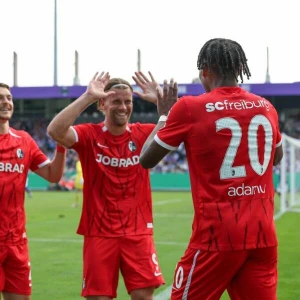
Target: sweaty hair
(226,57)
(118,83)
(3,85)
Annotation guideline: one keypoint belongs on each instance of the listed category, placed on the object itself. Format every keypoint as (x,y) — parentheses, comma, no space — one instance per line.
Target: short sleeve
(148,128)
(177,127)
(38,158)
(81,136)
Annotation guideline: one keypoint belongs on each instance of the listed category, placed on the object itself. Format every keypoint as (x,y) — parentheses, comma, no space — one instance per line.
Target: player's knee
(142,294)
(11,296)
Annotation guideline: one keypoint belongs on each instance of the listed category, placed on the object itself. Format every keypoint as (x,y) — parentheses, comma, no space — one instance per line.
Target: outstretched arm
(60,127)
(152,153)
(53,171)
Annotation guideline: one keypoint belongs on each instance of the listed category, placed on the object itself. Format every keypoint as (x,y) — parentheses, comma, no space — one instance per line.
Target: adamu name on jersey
(117,162)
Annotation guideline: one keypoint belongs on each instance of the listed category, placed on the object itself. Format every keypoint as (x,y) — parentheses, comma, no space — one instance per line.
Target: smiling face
(6,104)
(118,107)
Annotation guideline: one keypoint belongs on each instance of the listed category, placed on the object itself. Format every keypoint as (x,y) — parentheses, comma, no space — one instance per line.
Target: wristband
(60,149)
(163,118)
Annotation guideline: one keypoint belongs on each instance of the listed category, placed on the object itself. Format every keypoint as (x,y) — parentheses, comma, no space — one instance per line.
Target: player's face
(204,79)
(118,107)
(6,104)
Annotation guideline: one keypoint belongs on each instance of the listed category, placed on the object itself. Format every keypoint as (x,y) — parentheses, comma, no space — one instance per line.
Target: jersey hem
(225,248)
(113,236)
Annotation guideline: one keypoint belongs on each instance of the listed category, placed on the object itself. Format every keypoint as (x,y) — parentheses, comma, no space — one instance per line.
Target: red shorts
(103,258)
(15,275)
(249,274)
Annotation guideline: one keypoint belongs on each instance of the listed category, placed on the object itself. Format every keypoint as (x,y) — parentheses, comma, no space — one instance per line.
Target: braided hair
(226,57)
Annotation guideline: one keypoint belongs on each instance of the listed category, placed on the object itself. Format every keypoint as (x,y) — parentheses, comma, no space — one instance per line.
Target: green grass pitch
(56,250)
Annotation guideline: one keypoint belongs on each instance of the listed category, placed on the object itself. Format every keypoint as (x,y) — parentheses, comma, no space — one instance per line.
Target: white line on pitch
(175,215)
(170,201)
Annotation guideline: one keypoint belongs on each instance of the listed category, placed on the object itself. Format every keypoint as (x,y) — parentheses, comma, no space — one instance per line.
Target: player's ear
(205,72)
(100,104)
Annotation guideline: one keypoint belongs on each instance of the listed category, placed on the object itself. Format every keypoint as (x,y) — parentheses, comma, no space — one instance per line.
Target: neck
(4,127)
(114,129)
(224,83)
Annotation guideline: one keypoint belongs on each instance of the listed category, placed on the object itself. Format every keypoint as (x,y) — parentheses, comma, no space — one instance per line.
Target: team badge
(131,146)
(20,153)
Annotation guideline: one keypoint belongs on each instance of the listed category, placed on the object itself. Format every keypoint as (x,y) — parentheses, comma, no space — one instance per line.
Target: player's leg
(139,267)
(257,279)
(205,275)
(12,296)
(28,191)
(101,264)
(76,200)
(17,272)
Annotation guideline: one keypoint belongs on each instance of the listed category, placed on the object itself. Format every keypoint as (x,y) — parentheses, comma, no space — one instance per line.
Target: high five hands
(95,88)
(152,92)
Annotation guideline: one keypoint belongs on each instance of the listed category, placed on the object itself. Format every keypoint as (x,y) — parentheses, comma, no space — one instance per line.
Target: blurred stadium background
(52,222)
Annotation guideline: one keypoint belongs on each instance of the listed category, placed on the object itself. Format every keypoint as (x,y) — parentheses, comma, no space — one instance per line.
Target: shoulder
(88,127)
(20,134)
(141,128)
(190,100)
(265,102)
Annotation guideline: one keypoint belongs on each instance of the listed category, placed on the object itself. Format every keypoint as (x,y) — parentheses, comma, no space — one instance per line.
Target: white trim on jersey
(163,144)
(104,128)
(189,279)
(75,133)
(279,144)
(13,134)
(46,162)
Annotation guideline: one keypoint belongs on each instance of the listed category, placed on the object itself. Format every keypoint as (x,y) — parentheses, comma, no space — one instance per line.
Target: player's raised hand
(95,88)
(168,98)
(149,88)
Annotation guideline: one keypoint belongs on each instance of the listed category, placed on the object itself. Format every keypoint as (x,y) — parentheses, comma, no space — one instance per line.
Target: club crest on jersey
(20,153)
(131,146)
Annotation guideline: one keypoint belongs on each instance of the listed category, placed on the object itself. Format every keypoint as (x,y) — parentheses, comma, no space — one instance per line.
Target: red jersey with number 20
(230,137)
(116,190)
(18,153)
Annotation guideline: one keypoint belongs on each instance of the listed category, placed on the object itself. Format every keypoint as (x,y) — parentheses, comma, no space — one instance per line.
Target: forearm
(53,171)
(59,126)
(56,167)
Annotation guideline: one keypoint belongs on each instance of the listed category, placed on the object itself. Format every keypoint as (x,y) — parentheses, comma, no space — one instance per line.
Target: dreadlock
(225,57)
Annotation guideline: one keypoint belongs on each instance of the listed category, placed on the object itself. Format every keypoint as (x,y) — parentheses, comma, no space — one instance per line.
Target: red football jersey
(18,153)
(230,137)
(116,191)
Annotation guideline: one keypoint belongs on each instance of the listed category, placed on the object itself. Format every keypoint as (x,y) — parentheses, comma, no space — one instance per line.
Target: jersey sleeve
(147,128)
(38,158)
(177,127)
(81,137)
